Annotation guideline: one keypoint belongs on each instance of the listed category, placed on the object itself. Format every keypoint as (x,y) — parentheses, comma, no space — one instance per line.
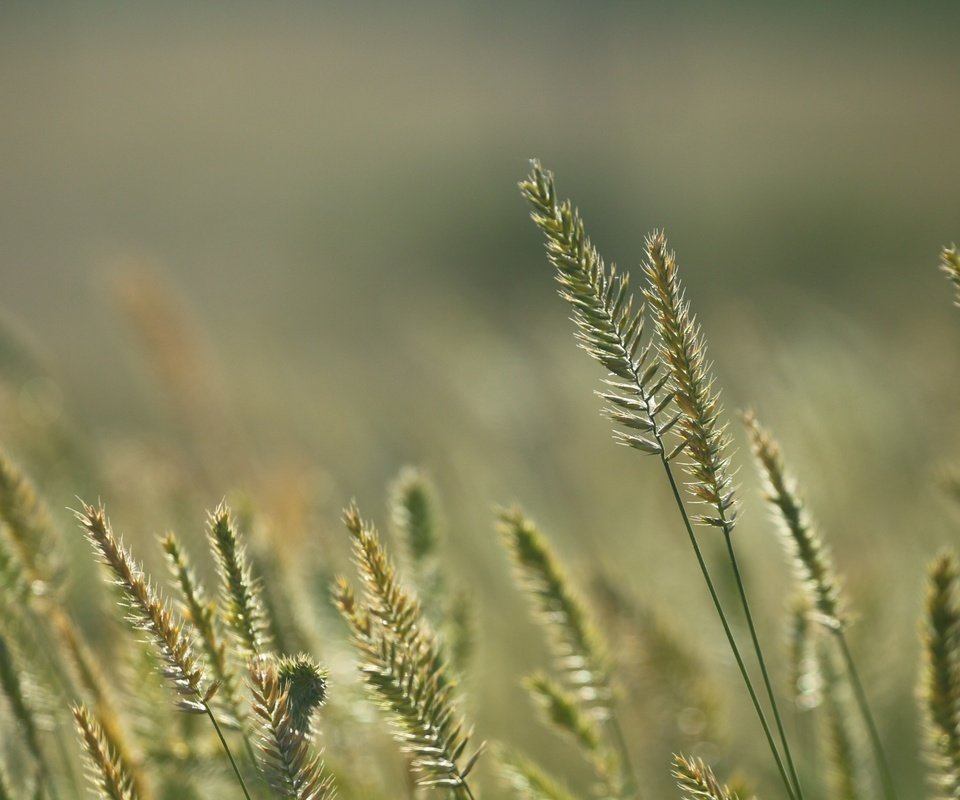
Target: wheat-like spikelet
(950,264)
(149,611)
(28,526)
(106,772)
(806,679)
(240,601)
(402,663)
(563,711)
(290,766)
(682,348)
(940,687)
(201,613)
(609,327)
(528,779)
(807,552)
(697,781)
(578,652)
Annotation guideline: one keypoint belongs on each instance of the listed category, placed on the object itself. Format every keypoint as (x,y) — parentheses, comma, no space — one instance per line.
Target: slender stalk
(628,776)
(726,627)
(226,749)
(882,765)
(466,788)
(760,659)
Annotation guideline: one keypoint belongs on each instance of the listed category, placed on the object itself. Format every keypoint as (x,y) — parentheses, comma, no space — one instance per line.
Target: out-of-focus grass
(328,196)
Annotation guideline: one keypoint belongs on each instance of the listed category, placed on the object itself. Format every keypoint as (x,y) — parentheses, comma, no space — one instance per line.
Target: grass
(293,681)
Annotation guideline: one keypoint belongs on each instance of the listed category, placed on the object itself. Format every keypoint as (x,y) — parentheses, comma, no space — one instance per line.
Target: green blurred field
(279,250)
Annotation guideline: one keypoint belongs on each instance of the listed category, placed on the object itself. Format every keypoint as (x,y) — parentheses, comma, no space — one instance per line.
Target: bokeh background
(278,250)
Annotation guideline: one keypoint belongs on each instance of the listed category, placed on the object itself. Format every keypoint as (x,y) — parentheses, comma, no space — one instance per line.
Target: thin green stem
(726,625)
(466,788)
(882,765)
(226,749)
(741,589)
(631,787)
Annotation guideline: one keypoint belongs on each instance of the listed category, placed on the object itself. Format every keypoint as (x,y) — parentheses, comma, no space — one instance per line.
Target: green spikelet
(940,686)
(291,768)
(806,680)
(528,780)
(402,663)
(697,781)
(806,550)
(305,685)
(240,601)
(201,613)
(414,514)
(950,264)
(562,710)
(578,653)
(609,326)
(28,525)
(704,439)
(106,773)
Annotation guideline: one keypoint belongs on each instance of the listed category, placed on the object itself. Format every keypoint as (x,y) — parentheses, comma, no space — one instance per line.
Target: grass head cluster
(256,672)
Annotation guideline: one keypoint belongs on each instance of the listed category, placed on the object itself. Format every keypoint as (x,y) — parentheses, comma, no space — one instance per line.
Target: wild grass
(283,680)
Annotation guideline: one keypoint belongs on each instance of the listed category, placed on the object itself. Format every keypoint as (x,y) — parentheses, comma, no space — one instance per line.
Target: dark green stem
(760,659)
(858,691)
(723,621)
(226,749)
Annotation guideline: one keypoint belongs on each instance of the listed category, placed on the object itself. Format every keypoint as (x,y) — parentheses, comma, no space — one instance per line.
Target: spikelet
(288,763)
(806,679)
(704,438)
(563,711)
(201,613)
(609,327)
(27,523)
(402,663)
(808,554)
(414,515)
(529,780)
(950,264)
(106,772)
(305,685)
(579,654)
(940,687)
(697,781)
(240,601)
(149,611)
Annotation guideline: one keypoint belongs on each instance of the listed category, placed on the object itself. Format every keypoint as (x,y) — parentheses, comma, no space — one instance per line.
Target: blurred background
(278,250)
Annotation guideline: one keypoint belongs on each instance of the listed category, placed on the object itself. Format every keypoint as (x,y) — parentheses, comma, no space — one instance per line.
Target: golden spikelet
(704,438)
(402,663)
(697,781)
(106,772)
(950,264)
(148,611)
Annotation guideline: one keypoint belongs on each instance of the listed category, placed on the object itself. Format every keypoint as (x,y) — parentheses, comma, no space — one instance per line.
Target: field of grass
(272,258)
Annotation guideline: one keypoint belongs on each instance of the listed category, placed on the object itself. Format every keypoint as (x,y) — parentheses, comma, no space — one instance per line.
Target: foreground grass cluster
(242,710)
